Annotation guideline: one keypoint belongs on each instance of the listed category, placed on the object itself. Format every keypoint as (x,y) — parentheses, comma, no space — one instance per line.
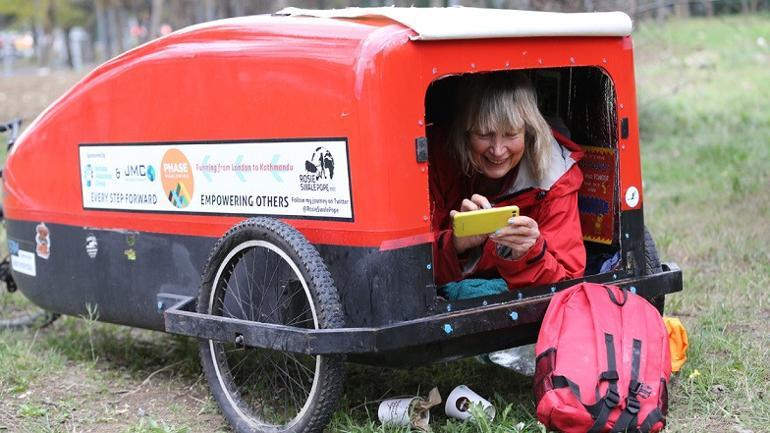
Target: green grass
(705,129)
(704,114)
(152,426)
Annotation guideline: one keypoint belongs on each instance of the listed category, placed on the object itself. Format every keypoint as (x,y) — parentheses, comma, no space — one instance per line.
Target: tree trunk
(209,10)
(49,24)
(68,45)
(660,10)
(709,8)
(156,14)
(102,43)
(238,9)
(682,9)
(633,9)
(39,41)
(122,27)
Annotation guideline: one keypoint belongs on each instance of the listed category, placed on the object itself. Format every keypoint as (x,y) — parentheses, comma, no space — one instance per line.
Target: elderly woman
(502,152)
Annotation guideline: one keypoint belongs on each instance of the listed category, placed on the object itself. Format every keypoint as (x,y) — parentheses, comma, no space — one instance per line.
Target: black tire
(260,390)
(16,311)
(652,266)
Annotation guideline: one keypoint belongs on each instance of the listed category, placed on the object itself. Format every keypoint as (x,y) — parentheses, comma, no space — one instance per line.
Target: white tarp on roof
(477,23)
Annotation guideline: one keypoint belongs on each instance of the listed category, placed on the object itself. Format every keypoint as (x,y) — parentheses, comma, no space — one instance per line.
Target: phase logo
(177,178)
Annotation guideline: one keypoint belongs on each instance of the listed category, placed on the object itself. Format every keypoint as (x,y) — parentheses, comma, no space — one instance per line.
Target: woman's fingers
(463,244)
(517,250)
(522,221)
(468,205)
(519,235)
(481,201)
(476,202)
(513,240)
(514,231)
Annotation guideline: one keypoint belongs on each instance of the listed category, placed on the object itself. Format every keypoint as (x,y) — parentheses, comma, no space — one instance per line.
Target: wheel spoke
(258,279)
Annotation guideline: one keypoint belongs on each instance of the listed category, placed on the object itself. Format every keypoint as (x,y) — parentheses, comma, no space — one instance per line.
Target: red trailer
(285,157)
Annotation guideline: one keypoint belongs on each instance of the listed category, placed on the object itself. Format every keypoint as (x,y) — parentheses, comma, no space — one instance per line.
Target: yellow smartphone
(483,221)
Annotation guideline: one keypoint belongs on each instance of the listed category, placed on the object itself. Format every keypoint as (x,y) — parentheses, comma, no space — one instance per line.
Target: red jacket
(557,255)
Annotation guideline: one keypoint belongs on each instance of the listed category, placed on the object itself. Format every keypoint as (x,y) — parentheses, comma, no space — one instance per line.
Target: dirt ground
(112,393)
(120,380)
(25,96)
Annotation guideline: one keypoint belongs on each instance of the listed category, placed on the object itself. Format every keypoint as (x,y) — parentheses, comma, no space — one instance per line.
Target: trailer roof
(478,23)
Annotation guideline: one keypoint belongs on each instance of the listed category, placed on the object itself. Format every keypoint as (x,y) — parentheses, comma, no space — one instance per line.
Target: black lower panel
(129,269)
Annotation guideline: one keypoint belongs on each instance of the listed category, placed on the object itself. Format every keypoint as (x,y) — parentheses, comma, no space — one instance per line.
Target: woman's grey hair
(500,101)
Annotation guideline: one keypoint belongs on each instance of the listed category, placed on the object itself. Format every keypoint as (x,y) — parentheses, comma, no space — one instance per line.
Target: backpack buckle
(632,405)
(612,398)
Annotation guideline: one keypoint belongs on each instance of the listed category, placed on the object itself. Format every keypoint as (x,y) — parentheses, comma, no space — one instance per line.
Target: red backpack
(603,362)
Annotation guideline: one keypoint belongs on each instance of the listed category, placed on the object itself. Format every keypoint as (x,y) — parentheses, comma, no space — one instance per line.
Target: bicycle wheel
(263,270)
(652,266)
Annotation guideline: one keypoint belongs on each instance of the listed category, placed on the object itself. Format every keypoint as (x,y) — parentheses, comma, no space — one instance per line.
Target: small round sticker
(632,196)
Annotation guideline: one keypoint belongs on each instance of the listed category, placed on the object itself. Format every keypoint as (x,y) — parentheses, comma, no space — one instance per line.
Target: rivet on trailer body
(435,71)
(521,295)
(239,340)
(449,308)
(473,66)
(621,106)
(485,303)
(553,289)
(448,328)
(160,306)
(632,289)
(514,315)
(425,217)
(540,61)
(572,60)
(428,266)
(627,235)
(604,60)
(508,64)
(420,122)
(614,276)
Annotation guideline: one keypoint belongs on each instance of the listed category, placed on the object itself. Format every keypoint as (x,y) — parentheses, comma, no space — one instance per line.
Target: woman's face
(496,152)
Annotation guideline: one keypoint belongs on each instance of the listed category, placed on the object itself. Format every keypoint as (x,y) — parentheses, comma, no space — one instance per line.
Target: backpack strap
(614,299)
(627,421)
(611,399)
(654,416)
(564,382)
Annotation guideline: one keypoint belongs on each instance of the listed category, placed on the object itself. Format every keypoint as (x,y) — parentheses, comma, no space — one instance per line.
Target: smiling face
(498,124)
(496,152)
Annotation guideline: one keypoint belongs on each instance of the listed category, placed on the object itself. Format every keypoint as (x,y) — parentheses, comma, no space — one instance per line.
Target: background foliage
(705,124)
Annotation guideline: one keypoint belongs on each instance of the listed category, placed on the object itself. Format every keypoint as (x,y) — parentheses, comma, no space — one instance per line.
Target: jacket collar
(562,159)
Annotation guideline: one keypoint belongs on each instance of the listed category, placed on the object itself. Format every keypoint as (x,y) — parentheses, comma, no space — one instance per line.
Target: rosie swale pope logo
(176,176)
(321,164)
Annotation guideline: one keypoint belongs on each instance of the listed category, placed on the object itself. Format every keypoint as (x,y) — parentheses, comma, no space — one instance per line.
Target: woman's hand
(476,202)
(519,235)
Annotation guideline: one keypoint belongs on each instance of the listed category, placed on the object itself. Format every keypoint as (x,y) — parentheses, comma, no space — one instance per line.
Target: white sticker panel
(306,179)
(24,262)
